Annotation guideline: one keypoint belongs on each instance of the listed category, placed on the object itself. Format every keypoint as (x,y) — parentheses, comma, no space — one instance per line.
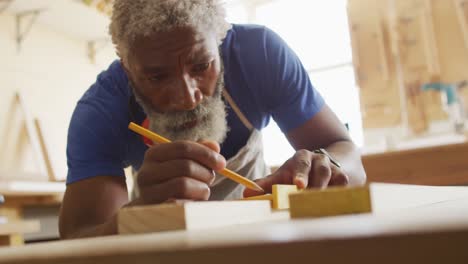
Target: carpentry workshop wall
(411,60)
(50,69)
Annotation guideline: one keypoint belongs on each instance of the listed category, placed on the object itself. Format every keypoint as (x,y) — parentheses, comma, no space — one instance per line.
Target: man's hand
(179,170)
(305,169)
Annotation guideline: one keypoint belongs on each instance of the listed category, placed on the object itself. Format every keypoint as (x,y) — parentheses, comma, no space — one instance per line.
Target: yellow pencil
(225,172)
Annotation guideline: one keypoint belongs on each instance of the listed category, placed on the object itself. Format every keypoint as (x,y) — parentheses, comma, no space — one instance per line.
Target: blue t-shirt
(262,74)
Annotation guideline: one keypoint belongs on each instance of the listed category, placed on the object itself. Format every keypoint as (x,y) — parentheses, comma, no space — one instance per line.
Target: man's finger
(186,150)
(174,189)
(158,172)
(322,172)
(338,178)
(301,166)
(211,144)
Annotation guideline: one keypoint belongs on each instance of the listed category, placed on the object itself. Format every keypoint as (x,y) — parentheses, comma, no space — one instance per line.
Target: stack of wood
(399,45)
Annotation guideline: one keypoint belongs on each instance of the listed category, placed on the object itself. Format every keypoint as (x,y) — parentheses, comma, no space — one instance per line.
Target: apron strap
(238,112)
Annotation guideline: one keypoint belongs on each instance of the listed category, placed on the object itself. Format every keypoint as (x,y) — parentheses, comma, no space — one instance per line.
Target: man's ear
(126,70)
(125,66)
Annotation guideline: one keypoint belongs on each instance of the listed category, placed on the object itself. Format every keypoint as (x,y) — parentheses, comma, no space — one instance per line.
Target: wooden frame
(30,128)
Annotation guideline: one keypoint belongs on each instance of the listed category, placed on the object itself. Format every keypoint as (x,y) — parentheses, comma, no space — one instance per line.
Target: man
(209,87)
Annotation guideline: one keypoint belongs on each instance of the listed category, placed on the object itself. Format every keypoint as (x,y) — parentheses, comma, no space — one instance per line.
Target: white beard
(210,114)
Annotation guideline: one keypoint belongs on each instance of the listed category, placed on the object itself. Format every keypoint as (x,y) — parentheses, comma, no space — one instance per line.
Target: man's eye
(201,67)
(157,77)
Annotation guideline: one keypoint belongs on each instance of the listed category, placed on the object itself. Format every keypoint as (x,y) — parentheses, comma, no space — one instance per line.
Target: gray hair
(136,18)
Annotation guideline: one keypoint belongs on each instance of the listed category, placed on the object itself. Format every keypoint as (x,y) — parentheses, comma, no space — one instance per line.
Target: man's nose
(188,93)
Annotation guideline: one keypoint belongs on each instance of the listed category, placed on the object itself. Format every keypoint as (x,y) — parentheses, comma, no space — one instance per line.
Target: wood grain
(191,216)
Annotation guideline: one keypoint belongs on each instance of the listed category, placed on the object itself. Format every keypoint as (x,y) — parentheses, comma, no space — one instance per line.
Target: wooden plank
(19,227)
(453,43)
(330,202)
(31,188)
(44,151)
(191,216)
(440,165)
(461,7)
(418,61)
(374,63)
(281,195)
(453,52)
(370,60)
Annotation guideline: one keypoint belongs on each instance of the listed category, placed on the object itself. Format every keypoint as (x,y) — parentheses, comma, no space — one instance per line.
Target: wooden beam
(19,227)
(44,151)
(191,216)
(29,188)
(281,195)
(330,202)
(439,165)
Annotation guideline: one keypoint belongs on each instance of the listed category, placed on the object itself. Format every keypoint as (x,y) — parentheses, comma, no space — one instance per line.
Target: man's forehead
(174,39)
(165,47)
(186,34)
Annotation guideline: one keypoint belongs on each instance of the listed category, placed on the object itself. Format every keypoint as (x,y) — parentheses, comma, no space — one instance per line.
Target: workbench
(409,224)
(21,194)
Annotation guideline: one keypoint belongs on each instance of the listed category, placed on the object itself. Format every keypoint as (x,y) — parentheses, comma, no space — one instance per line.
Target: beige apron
(248,162)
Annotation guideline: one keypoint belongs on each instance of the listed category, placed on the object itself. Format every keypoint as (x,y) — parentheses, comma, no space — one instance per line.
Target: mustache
(200,110)
(210,117)
(174,121)
(179,118)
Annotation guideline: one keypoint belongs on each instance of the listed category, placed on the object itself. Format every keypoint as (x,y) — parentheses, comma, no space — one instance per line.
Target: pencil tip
(258,188)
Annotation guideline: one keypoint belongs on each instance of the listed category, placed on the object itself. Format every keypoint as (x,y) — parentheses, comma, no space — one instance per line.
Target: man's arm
(178,170)
(309,169)
(90,206)
(325,130)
